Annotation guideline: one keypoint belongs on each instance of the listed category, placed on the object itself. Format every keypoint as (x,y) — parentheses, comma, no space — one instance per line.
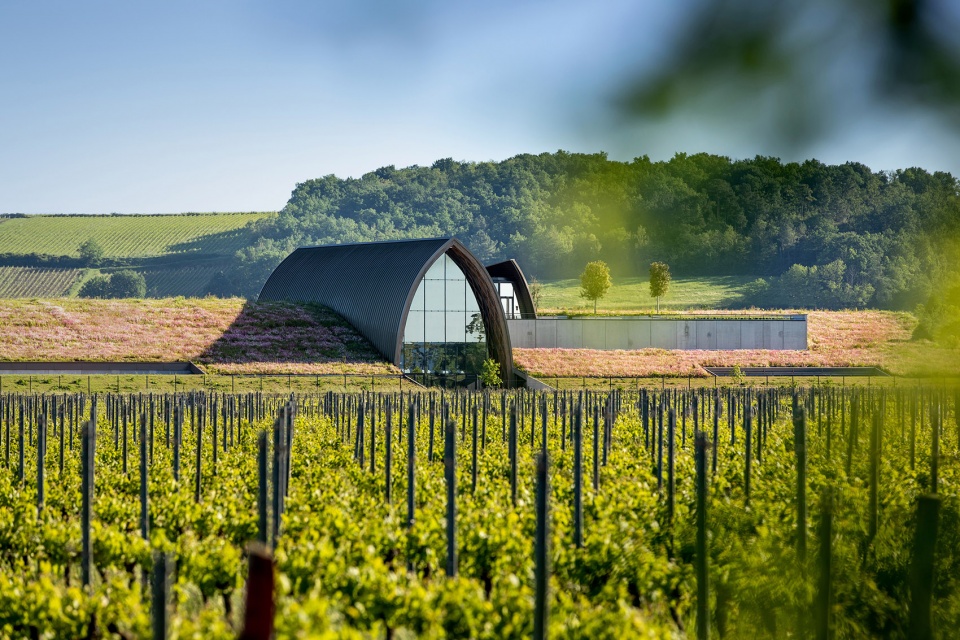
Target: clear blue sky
(109,106)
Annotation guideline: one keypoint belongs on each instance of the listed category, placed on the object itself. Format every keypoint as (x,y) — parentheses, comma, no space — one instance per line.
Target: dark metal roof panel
(368,284)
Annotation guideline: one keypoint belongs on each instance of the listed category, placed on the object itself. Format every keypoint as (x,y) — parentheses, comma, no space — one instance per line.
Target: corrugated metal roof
(371,285)
(510,270)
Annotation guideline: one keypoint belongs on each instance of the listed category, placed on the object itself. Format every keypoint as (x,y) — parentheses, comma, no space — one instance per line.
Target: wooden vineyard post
(800,447)
(513,455)
(921,567)
(450,470)
(671,462)
(541,610)
(388,462)
(824,609)
(433,413)
(473,456)
(596,449)
(259,610)
(262,490)
(935,448)
(716,431)
(872,506)
(577,420)
(198,471)
(20,445)
(144,507)
(125,470)
(41,454)
(748,434)
(87,455)
(702,553)
(60,461)
(163,566)
(177,431)
(411,472)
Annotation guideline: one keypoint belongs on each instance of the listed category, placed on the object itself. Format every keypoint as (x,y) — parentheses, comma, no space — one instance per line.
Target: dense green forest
(815,235)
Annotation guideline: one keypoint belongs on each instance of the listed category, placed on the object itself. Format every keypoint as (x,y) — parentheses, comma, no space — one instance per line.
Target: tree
(91,252)
(95,287)
(595,281)
(536,293)
(659,281)
(127,284)
(122,284)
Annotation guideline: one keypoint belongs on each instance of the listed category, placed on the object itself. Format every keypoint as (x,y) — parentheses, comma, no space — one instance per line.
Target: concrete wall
(783,332)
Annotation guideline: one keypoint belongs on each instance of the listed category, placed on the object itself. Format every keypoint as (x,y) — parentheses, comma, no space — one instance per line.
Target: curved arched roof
(510,270)
(372,284)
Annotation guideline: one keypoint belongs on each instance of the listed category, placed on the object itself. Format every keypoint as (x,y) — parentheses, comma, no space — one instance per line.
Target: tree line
(815,235)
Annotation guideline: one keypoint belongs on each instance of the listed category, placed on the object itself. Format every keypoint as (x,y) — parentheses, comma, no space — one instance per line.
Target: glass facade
(445,335)
(508,298)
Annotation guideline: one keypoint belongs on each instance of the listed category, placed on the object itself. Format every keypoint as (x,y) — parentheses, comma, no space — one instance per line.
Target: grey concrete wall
(785,332)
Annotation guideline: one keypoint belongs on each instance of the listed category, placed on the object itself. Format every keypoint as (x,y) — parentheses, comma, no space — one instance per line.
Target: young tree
(536,292)
(595,281)
(659,281)
(91,252)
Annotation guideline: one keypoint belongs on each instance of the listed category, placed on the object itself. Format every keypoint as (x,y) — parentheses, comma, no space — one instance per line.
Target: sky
(166,107)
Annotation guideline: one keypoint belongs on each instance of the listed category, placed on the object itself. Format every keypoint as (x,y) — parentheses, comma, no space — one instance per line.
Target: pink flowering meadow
(226,336)
(835,338)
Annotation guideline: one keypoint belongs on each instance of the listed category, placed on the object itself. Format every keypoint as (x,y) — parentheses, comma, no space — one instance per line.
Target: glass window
(456,326)
(445,333)
(417,303)
(434,327)
(435,272)
(456,295)
(435,295)
(472,306)
(414,329)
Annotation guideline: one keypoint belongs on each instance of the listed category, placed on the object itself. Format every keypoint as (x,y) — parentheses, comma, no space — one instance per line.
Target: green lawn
(127,236)
(632,295)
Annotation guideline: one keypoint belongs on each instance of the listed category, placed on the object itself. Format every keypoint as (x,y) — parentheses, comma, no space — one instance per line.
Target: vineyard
(127,236)
(741,513)
(32,282)
(190,282)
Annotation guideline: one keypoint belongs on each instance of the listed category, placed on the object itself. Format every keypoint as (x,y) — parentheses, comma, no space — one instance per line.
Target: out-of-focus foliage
(806,68)
(874,238)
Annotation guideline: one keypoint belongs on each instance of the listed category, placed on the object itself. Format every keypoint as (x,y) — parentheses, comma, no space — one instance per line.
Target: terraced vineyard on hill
(126,236)
(34,282)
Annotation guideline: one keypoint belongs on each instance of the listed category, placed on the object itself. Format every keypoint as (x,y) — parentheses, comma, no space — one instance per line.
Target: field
(814,527)
(632,295)
(231,336)
(126,236)
(225,335)
(32,282)
(836,338)
(189,282)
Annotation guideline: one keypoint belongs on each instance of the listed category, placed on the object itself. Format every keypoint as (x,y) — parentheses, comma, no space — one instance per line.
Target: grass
(127,236)
(632,295)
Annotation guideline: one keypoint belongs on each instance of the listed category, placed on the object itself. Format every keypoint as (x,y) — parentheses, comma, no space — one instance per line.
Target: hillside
(178,255)
(123,236)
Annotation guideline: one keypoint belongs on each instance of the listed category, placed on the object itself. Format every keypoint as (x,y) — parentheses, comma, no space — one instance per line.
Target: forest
(815,235)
